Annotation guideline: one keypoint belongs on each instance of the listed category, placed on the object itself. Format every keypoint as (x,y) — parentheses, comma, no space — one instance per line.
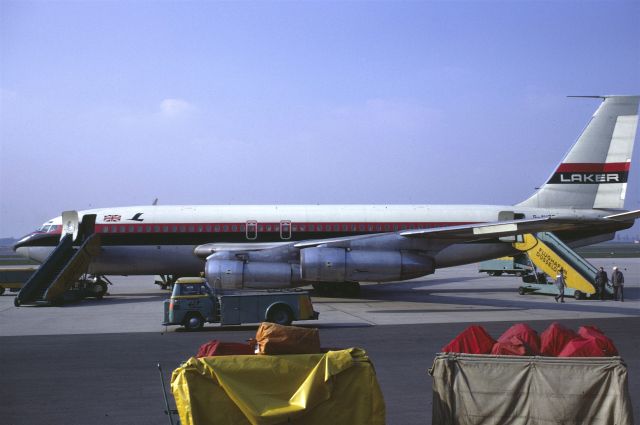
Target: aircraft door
(509,216)
(252,230)
(70,224)
(285,229)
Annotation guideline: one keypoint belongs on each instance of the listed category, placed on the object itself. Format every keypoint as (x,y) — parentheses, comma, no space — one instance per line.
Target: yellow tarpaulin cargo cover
(338,387)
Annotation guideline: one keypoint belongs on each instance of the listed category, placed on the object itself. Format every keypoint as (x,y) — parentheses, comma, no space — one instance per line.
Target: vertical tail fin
(595,171)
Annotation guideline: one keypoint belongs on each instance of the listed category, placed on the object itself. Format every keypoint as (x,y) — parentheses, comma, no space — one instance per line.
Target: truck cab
(193,303)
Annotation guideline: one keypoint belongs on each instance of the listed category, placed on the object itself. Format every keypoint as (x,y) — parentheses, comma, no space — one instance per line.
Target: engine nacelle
(233,274)
(342,265)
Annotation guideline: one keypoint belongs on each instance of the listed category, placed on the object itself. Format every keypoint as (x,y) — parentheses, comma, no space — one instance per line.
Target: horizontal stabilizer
(630,215)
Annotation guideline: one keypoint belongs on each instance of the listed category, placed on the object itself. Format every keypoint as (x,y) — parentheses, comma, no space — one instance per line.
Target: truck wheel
(521,290)
(578,295)
(1,290)
(193,322)
(281,315)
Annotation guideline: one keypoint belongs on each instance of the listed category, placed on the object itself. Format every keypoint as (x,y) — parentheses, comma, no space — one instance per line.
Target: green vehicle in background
(517,266)
(193,303)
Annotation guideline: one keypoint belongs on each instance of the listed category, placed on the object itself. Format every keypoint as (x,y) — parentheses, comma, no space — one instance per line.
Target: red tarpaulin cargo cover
(473,340)
(513,347)
(524,334)
(554,339)
(604,342)
(219,348)
(581,347)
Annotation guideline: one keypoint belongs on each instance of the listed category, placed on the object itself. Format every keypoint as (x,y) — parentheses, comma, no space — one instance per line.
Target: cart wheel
(1,290)
(578,295)
(281,315)
(193,322)
(521,290)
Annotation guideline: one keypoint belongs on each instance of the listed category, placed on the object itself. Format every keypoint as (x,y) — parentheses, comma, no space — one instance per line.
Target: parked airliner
(267,246)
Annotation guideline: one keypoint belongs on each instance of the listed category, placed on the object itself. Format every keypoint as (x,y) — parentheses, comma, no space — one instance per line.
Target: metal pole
(164,393)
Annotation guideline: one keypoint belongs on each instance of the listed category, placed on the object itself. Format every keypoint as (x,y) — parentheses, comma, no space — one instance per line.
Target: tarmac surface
(95,361)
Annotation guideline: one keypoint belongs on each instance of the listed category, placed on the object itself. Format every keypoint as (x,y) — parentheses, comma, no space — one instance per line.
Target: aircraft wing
(461,233)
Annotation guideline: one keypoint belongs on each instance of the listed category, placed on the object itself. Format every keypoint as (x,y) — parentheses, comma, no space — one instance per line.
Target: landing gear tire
(280,315)
(99,289)
(193,322)
(578,295)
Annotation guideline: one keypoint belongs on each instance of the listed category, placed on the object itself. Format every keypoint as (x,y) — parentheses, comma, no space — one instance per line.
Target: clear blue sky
(117,103)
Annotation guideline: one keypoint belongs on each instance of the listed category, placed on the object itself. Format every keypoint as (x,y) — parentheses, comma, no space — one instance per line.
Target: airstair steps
(548,253)
(64,266)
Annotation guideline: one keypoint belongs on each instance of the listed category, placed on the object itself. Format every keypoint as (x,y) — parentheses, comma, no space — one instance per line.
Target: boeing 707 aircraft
(269,246)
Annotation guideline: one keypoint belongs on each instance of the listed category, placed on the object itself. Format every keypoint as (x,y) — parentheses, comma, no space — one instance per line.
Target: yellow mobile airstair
(548,254)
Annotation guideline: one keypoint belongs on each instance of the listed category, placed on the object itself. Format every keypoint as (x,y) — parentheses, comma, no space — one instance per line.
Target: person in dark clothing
(617,280)
(560,284)
(601,282)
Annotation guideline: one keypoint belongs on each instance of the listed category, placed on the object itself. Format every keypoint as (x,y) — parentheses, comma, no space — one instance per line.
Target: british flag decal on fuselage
(111,218)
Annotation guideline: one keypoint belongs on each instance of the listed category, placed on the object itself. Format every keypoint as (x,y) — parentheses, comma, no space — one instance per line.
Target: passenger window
(192,229)
(174,229)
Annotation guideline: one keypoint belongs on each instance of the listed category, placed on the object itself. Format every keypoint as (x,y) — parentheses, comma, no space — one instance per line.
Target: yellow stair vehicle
(548,254)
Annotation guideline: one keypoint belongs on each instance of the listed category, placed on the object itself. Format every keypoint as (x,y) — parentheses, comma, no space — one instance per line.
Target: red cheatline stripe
(614,167)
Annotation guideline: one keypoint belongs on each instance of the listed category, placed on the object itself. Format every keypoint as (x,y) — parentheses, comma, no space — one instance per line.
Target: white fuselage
(162,239)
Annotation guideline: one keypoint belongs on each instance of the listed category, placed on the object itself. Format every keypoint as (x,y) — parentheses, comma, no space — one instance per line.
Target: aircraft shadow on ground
(121,299)
(254,327)
(570,304)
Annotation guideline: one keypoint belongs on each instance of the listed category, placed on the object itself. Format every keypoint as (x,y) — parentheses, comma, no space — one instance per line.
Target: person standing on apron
(617,280)
(560,284)
(601,282)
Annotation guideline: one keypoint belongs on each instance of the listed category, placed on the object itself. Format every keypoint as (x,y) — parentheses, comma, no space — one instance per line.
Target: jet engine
(238,274)
(323,264)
